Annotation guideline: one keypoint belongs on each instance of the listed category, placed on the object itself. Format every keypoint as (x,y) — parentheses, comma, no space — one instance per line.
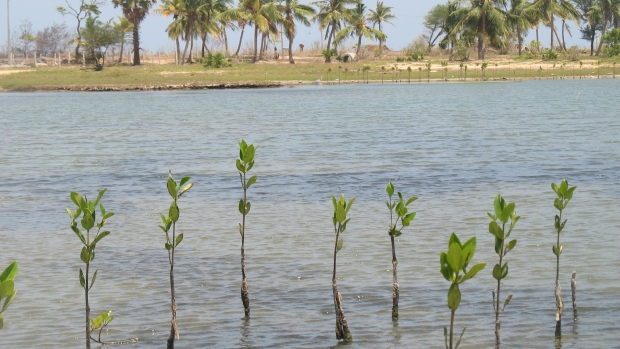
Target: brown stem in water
(174,330)
(451,327)
(558,292)
(87,308)
(573,284)
(395,287)
(342,328)
(245,288)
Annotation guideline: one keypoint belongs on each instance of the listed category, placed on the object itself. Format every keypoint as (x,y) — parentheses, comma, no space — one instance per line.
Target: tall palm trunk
(136,43)
(240,40)
(519,40)
(552,27)
(359,46)
(290,48)
(592,46)
(225,41)
(329,41)
(120,58)
(178,50)
(187,40)
(563,28)
(255,44)
(380,42)
(263,46)
(481,38)
(203,37)
(191,49)
(600,43)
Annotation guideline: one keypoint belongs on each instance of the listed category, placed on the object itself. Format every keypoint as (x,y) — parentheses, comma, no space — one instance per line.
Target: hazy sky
(407,27)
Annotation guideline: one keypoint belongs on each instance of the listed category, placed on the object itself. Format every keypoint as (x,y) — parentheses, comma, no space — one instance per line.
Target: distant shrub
(612,39)
(461,52)
(572,54)
(217,60)
(550,55)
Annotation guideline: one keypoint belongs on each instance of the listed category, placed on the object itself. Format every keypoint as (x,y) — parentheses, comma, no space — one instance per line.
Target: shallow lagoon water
(454,145)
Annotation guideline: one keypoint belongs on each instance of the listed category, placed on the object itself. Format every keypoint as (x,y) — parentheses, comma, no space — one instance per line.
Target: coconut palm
(135,11)
(293,11)
(330,17)
(607,10)
(174,8)
(358,26)
(485,18)
(124,26)
(521,17)
(381,14)
(561,8)
(208,20)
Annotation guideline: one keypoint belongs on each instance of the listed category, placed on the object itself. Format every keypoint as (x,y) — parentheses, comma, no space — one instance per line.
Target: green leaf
(179,239)
(563,187)
(1,321)
(173,212)
(248,205)
(507,211)
(555,188)
(240,166)
(84,255)
(341,214)
(70,213)
(9,273)
(6,288)
(397,233)
(248,154)
(454,297)
(78,200)
(251,181)
(569,193)
(350,204)
(497,272)
(510,246)
(499,243)
(241,207)
(496,230)
(469,249)
(99,196)
(408,218)
(187,187)
(108,215)
(88,222)
(184,180)
(99,237)
(446,271)
(92,282)
(454,239)
(497,205)
(411,199)
(455,257)
(506,302)
(168,246)
(390,189)
(473,271)
(460,338)
(339,245)
(82,280)
(7,302)
(172,187)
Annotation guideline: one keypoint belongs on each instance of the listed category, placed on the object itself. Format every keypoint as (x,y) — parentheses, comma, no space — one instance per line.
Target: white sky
(407,27)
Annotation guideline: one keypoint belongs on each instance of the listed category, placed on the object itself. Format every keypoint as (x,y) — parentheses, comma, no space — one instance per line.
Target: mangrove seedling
(7,289)
(409,71)
(244,165)
(564,195)
(398,208)
(341,208)
(503,214)
(103,320)
(176,190)
(454,269)
(87,209)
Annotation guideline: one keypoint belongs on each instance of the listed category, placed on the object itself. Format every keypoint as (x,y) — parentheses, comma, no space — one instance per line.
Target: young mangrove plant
(400,209)
(7,289)
(454,269)
(503,214)
(87,210)
(564,195)
(172,242)
(103,320)
(244,165)
(341,208)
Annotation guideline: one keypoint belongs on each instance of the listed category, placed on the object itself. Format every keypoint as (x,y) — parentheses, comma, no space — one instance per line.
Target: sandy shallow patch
(7,72)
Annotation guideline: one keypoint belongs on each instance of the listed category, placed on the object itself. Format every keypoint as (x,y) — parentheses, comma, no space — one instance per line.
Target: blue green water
(454,145)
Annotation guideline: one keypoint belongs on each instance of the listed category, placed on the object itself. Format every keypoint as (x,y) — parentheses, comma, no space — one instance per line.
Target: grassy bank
(272,73)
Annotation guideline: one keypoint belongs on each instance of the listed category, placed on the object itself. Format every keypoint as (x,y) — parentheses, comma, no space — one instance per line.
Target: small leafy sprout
(101,322)
(503,214)
(564,194)
(340,220)
(176,191)
(7,289)
(454,265)
(88,211)
(400,209)
(244,165)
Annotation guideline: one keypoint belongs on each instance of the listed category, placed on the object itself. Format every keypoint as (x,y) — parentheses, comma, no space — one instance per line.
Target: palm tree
(293,11)
(174,8)
(485,18)
(135,11)
(561,8)
(331,14)
(208,21)
(359,27)
(379,15)
(607,10)
(521,16)
(124,26)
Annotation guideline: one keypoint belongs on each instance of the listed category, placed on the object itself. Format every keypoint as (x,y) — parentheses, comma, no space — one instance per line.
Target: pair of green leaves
(565,194)
(87,209)
(340,220)
(246,156)
(508,299)
(445,335)
(104,319)
(7,289)
(400,208)
(454,266)
(174,189)
(244,207)
(83,280)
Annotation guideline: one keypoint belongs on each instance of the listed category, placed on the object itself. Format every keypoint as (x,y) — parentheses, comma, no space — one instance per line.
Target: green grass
(147,75)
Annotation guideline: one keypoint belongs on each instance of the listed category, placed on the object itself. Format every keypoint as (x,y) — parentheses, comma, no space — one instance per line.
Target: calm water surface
(455,146)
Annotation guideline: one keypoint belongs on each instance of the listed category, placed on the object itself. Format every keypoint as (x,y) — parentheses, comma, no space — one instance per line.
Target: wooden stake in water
(573,286)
